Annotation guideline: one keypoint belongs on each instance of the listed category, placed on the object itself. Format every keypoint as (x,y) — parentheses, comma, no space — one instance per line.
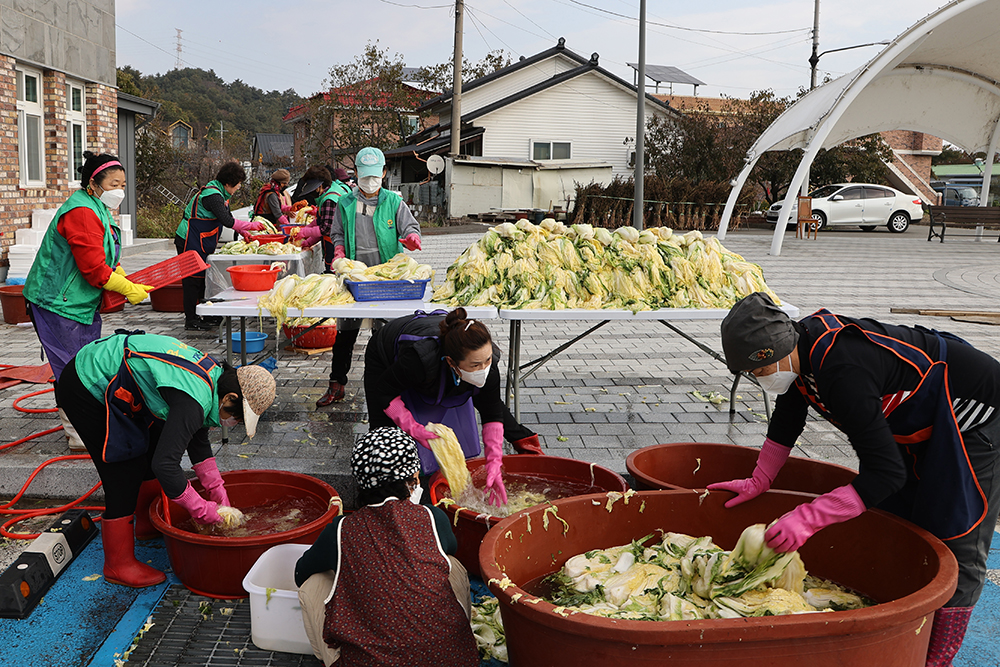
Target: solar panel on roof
(667,74)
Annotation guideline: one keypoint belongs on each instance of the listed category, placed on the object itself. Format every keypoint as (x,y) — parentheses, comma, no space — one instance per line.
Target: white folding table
(302,263)
(665,316)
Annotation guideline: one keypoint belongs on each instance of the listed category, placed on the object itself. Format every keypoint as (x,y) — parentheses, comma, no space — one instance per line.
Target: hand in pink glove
(493,451)
(772,457)
(403,418)
(339,252)
(283,221)
(210,478)
(411,241)
(246,226)
(201,510)
(313,211)
(286,209)
(793,529)
(309,235)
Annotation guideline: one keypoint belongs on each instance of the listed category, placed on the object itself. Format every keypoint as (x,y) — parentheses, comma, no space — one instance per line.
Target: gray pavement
(627,386)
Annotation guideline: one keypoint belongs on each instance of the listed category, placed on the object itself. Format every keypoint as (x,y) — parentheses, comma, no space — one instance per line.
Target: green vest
(98,362)
(55,282)
(334,192)
(212,188)
(384,221)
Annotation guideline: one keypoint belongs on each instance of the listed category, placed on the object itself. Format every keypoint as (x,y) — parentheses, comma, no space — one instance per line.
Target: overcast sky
(276,46)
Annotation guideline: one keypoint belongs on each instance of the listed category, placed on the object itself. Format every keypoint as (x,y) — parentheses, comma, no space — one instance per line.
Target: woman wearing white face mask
(443,368)
(77,260)
(140,402)
(920,409)
(371,225)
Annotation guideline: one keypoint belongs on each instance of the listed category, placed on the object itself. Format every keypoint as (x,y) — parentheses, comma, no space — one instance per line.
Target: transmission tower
(177,65)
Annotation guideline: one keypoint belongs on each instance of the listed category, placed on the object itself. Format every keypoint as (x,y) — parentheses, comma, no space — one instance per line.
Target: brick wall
(17,203)
(906,142)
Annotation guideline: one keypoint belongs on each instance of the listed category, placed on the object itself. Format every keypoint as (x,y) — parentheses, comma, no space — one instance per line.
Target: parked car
(861,204)
(957,194)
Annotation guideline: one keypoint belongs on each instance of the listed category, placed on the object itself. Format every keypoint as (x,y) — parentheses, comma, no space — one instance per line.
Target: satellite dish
(435,164)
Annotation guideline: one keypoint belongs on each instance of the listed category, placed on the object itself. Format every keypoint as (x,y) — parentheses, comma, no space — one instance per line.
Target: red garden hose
(22,514)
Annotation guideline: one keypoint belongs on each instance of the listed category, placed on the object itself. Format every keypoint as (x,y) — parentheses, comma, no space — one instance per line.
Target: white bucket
(276,623)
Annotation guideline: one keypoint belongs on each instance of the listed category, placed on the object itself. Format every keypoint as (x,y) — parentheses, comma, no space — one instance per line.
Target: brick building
(909,171)
(58,98)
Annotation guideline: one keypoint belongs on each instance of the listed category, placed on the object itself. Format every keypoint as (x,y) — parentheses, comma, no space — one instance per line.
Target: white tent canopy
(939,77)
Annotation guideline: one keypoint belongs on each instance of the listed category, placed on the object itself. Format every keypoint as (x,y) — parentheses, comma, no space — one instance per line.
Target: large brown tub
(906,570)
(695,465)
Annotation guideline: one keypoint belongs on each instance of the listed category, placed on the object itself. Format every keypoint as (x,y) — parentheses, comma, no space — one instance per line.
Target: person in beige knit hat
(140,402)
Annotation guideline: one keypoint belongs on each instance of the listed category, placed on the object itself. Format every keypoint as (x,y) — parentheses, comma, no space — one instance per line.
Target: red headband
(112,163)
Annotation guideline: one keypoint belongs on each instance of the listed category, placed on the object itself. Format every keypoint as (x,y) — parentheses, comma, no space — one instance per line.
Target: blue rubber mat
(80,615)
(981,648)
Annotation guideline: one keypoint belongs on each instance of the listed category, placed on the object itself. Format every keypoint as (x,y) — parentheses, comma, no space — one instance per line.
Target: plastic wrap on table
(303,263)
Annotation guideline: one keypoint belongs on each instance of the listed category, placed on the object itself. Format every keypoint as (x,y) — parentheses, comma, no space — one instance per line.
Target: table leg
(229,360)
(243,341)
(515,366)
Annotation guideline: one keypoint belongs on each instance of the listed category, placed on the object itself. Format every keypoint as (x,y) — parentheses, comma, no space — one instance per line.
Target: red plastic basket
(264,238)
(160,274)
(253,277)
(322,336)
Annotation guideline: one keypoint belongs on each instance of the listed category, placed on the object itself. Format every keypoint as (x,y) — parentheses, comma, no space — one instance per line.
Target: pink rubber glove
(286,209)
(309,235)
(772,457)
(493,451)
(403,418)
(201,510)
(246,226)
(313,211)
(411,241)
(283,221)
(210,478)
(339,252)
(793,529)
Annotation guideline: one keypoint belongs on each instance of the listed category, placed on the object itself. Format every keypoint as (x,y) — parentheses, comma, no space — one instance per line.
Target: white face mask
(229,422)
(777,383)
(476,378)
(370,184)
(113,198)
(416,494)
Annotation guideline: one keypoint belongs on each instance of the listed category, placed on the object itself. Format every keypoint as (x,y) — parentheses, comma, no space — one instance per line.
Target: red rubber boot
(120,565)
(529,445)
(947,634)
(148,492)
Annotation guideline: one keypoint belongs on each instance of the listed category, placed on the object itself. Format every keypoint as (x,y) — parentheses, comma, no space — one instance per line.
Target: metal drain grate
(195,631)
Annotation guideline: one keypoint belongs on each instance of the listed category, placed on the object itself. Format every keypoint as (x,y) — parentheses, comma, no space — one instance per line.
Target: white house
(529,132)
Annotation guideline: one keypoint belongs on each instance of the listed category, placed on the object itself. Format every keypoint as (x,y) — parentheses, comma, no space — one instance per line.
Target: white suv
(862,204)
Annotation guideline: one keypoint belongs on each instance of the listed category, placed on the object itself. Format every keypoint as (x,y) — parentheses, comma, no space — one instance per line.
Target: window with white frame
(30,145)
(76,125)
(551,150)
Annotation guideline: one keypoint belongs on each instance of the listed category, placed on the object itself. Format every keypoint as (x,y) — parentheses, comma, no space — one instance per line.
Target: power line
(496,18)
(475,24)
(398,4)
(529,19)
(680,27)
(154,45)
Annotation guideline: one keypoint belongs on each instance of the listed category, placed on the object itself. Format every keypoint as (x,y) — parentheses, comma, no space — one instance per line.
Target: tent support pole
(734,194)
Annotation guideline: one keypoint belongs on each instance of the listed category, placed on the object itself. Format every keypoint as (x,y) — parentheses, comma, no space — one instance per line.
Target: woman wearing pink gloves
(441,368)
(918,406)
(140,402)
(372,225)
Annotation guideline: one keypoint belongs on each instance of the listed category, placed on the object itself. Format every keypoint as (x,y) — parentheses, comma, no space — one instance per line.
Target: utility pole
(814,58)
(222,132)
(640,123)
(177,65)
(456,86)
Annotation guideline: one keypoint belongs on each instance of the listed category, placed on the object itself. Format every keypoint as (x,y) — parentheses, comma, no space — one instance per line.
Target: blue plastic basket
(387,290)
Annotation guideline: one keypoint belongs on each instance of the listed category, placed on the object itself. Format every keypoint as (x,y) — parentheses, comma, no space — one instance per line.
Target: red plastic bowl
(215,566)
(264,238)
(253,277)
(321,336)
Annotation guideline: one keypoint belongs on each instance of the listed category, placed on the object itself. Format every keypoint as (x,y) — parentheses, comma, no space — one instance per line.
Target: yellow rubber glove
(120,271)
(134,292)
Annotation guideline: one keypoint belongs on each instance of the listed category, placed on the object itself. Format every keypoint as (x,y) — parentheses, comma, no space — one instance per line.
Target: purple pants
(62,338)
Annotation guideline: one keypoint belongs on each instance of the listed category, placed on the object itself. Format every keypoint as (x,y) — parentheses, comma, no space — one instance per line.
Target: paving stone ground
(627,386)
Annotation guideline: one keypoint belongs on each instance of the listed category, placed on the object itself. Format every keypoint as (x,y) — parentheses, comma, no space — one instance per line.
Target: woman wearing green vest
(139,402)
(326,205)
(205,216)
(78,258)
(372,225)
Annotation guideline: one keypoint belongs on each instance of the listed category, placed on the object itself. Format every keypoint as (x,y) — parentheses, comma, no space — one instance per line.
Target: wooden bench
(962,217)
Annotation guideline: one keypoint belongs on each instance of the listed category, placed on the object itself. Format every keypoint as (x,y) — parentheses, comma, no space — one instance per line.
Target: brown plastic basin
(471,527)
(909,572)
(676,465)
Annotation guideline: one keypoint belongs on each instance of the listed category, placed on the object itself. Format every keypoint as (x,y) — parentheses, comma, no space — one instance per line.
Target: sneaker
(197,325)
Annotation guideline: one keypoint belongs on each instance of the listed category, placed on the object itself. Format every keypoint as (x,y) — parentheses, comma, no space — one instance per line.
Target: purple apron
(456,412)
